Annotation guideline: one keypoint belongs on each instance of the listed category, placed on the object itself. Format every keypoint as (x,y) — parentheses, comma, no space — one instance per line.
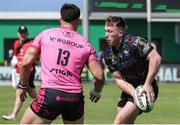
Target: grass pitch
(166,110)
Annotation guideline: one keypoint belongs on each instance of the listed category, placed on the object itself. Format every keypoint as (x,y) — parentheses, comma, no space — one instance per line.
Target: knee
(120,120)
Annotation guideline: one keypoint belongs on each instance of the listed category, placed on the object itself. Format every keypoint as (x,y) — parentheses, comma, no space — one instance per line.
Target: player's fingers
(25,96)
(152,96)
(22,98)
(148,96)
(92,98)
(29,90)
(96,99)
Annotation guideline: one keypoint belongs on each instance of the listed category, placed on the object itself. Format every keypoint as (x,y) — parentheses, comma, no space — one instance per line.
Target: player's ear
(60,20)
(79,21)
(121,32)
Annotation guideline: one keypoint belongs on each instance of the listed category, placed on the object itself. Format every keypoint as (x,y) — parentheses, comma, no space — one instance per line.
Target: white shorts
(15,78)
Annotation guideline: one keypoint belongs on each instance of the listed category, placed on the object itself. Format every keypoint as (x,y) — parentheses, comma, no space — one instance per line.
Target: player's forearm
(27,62)
(25,74)
(154,64)
(99,83)
(125,87)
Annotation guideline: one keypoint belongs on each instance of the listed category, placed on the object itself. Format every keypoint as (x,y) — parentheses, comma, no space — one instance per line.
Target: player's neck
(118,43)
(68,26)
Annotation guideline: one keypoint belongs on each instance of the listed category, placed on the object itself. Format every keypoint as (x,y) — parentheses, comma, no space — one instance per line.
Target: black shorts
(126,97)
(51,103)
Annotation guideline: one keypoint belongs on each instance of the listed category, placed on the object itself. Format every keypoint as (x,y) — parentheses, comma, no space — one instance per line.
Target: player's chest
(124,58)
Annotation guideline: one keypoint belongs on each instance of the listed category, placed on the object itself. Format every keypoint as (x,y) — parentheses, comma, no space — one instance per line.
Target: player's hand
(150,92)
(21,91)
(94,96)
(22,94)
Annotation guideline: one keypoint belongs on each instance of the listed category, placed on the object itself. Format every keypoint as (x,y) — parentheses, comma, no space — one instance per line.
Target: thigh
(50,103)
(46,104)
(30,117)
(126,114)
(73,107)
(78,121)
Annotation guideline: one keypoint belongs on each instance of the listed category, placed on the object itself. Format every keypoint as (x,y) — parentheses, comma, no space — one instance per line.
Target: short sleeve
(142,46)
(36,43)
(92,54)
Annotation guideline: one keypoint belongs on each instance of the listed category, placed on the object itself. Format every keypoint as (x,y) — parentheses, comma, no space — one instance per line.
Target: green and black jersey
(130,58)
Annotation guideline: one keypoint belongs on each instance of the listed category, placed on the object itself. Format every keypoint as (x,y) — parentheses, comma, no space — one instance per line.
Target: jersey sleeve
(110,61)
(92,54)
(142,46)
(36,43)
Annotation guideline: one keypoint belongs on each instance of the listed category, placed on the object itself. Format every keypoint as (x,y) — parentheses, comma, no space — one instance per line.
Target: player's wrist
(22,86)
(97,90)
(93,91)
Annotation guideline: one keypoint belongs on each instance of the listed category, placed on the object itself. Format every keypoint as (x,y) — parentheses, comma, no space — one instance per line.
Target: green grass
(166,110)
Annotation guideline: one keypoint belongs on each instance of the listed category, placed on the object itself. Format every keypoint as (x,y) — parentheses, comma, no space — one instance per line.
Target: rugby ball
(142,101)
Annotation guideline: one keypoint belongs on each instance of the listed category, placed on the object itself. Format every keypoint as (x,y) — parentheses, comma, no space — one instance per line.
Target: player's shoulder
(82,39)
(134,40)
(27,43)
(51,30)
(129,38)
(16,41)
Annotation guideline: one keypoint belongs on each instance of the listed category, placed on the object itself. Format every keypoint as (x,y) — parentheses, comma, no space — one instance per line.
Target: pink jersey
(63,54)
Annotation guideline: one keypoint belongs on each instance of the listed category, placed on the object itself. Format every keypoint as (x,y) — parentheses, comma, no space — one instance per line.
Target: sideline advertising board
(169,73)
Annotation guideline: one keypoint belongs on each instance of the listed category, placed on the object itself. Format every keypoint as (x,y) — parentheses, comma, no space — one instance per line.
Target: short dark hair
(69,12)
(115,21)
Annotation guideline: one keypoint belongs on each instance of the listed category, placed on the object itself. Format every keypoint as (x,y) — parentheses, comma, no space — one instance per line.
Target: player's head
(22,33)
(115,21)
(114,30)
(69,12)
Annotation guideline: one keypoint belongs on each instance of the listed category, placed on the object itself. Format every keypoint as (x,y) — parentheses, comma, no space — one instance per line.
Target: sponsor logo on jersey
(60,72)
(68,42)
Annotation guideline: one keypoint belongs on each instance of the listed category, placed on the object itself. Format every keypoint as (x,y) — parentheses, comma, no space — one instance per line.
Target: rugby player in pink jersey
(63,54)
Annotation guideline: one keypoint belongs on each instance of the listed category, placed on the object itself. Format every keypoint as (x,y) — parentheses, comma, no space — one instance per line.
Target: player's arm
(146,51)
(123,85)
(25,70)
(28,60)
(98,74)
(154,63)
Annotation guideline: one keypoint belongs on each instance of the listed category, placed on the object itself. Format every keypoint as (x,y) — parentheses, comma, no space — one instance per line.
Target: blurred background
(156,20)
